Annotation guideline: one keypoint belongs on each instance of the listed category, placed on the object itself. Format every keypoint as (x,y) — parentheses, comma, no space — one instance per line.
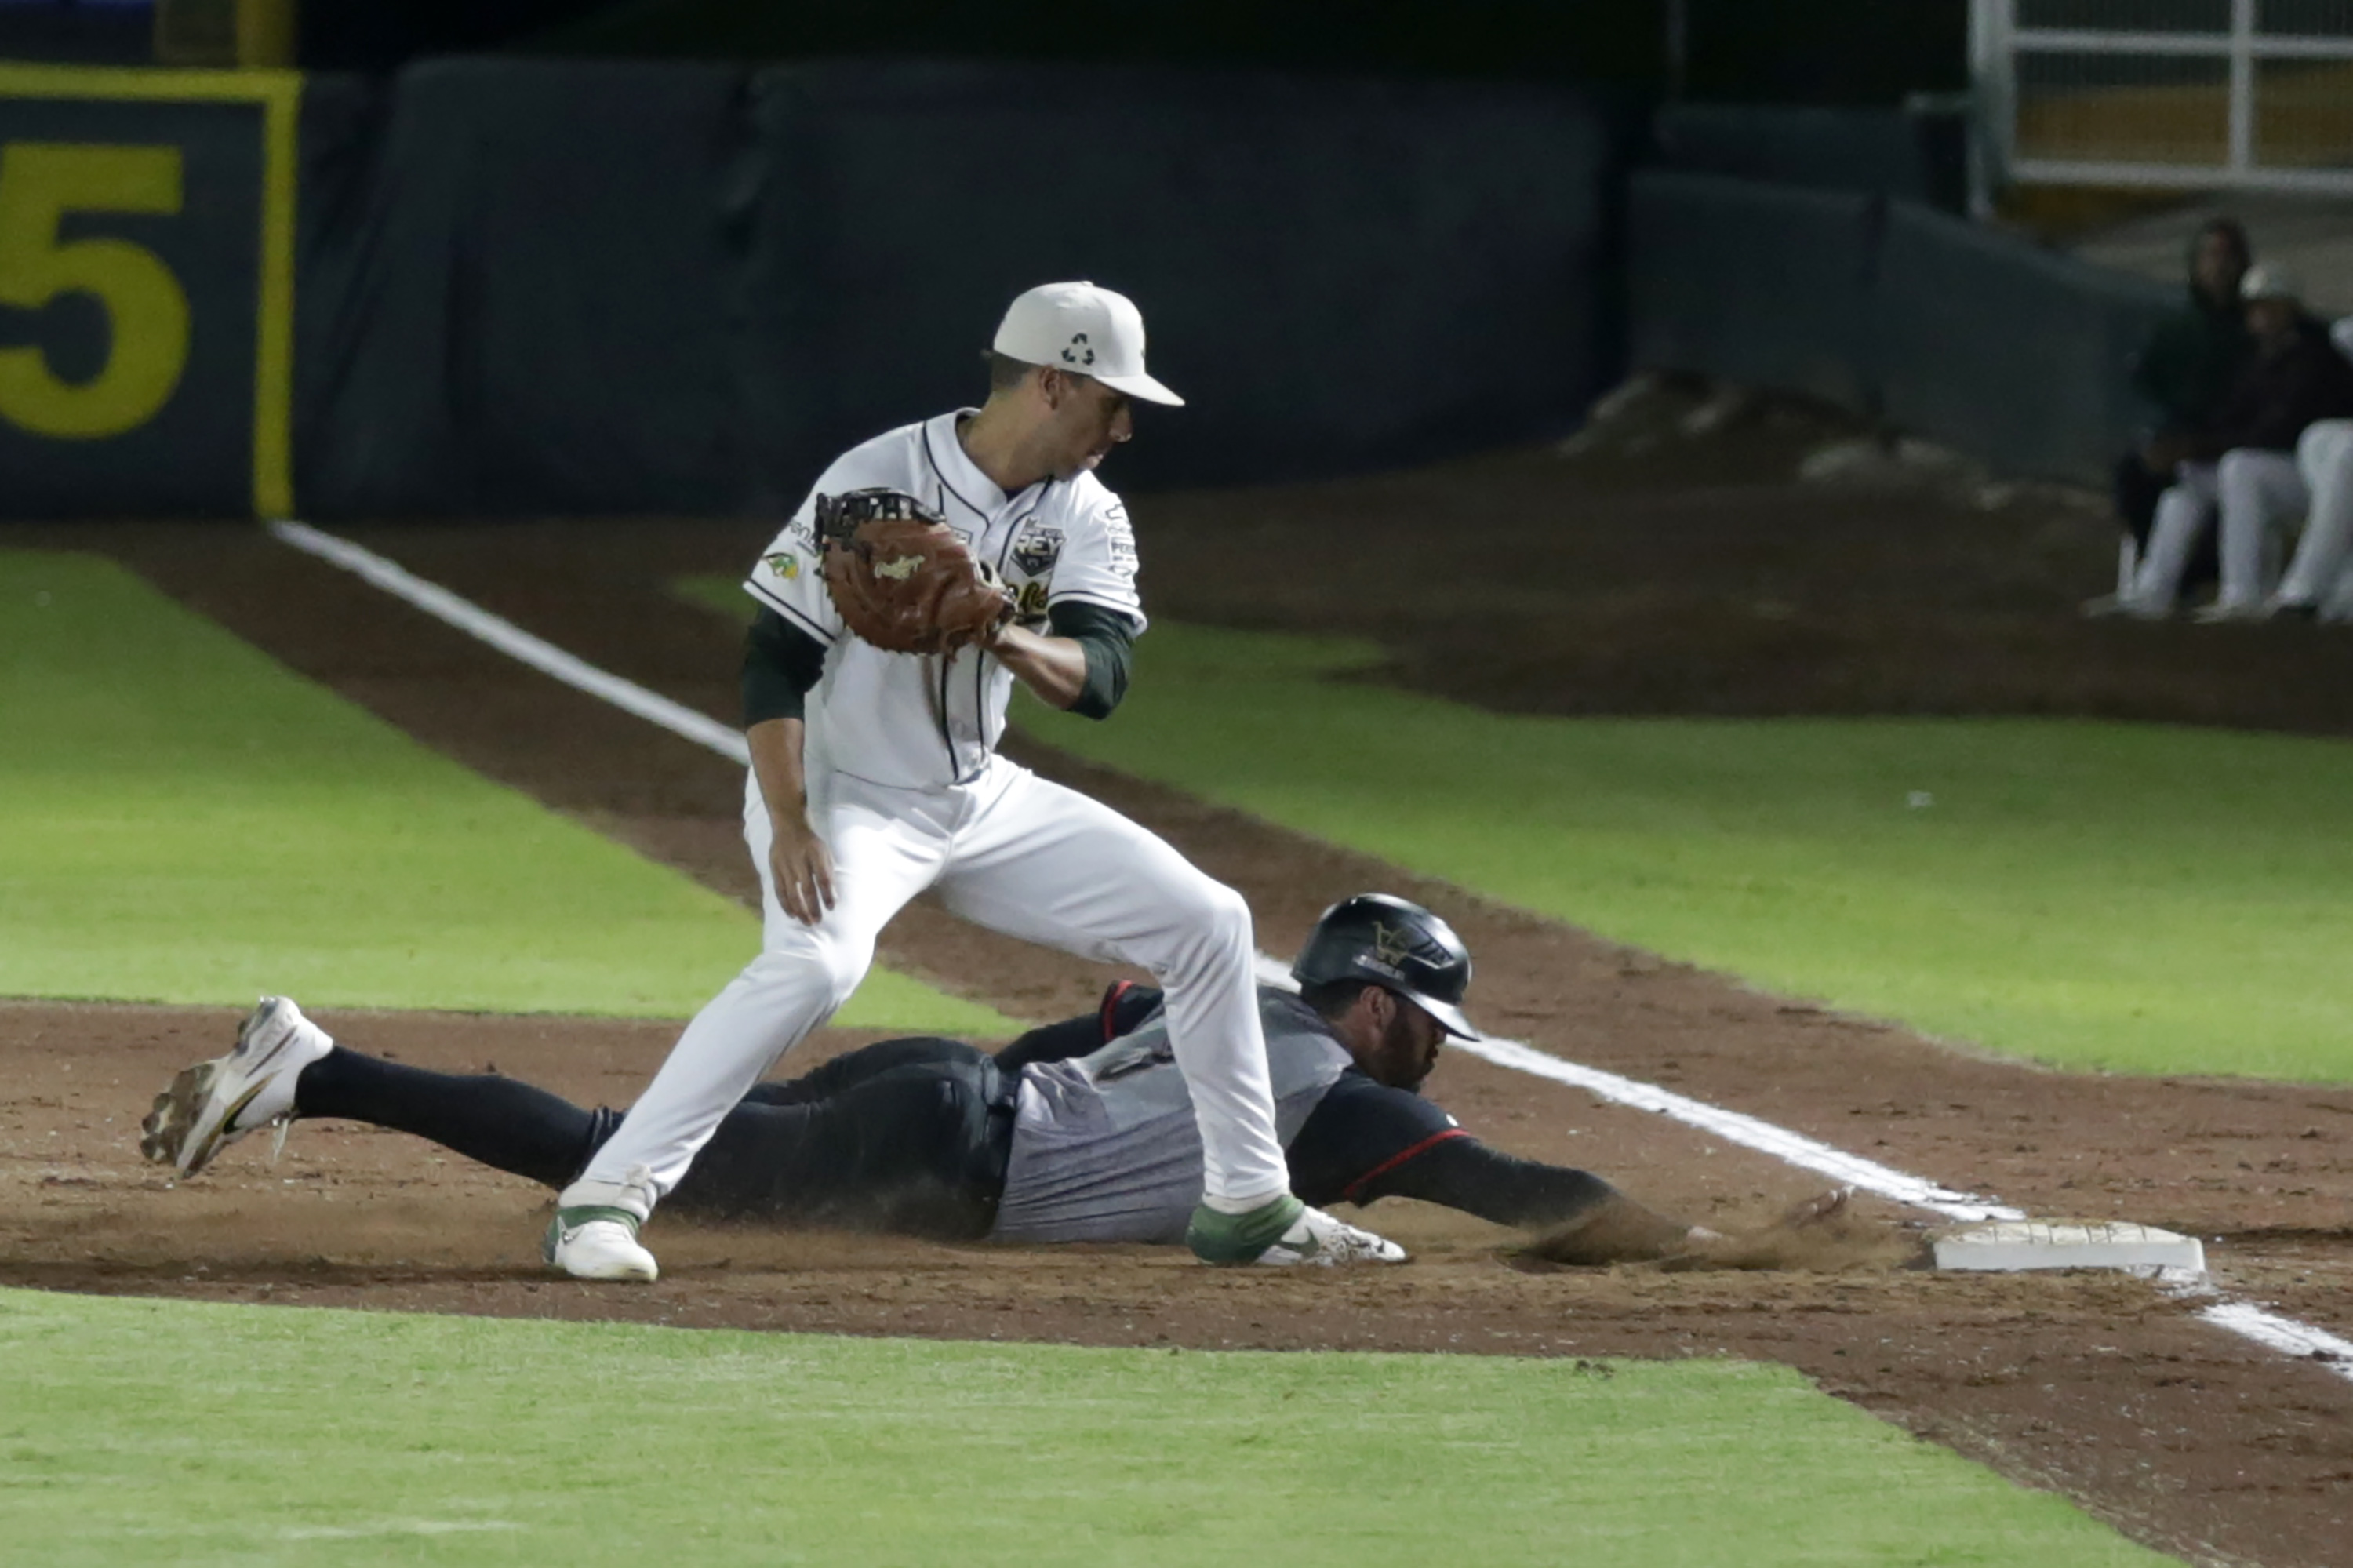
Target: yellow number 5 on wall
(146,292)
(146,309)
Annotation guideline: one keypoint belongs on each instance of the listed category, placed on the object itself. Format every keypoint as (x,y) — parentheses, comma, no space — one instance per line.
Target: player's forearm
(1053,667)
(776,745)
(1463,1174)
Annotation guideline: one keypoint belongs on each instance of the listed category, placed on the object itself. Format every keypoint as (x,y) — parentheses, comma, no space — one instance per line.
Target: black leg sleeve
(499,1122)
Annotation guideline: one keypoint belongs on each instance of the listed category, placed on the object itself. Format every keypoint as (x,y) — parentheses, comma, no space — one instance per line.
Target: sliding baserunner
(1078,1131)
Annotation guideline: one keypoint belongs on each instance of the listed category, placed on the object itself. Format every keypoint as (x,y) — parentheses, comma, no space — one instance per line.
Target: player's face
(2218,266)
(2271,319)
(1088,419)
(1409,1046)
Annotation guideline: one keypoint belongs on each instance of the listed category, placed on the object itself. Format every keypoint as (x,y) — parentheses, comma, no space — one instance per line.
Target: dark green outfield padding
(153,1431)
(190,821)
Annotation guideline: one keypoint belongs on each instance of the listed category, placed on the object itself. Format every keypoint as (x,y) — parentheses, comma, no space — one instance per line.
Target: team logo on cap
(1078,352)
(1391,946)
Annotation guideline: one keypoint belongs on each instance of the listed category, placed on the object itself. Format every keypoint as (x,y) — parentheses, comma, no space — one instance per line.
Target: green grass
(198,1434)
(2122,897)
(189,822)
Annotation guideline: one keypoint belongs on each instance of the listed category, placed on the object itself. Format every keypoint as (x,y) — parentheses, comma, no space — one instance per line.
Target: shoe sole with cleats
(196,1117)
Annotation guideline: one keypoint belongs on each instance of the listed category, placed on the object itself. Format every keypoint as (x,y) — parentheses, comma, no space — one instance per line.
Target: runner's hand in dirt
(1619,1231)
(1790,1242)
(803,868)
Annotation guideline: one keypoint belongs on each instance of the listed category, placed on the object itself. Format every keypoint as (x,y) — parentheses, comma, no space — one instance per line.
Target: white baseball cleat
(594,1233)
(1318,1240)
(214,1103)
(598,1244)
(2222,612)
(2126,604)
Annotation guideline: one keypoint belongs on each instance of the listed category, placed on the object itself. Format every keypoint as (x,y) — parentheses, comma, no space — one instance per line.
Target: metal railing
(2184,93)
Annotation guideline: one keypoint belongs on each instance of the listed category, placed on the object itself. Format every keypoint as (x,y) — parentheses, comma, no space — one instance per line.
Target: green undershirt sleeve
(1109,638)
(781,663)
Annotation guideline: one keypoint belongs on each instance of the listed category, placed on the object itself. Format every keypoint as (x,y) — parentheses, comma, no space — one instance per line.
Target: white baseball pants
(2319,574)
(2260,495)
(1011,851)
(2184,512)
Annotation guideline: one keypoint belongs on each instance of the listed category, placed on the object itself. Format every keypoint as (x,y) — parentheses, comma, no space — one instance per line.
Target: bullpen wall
(510,286)
(1336,275)
(2016,355)
(560,287)
(1756,283)
(1916,156)
(523,289)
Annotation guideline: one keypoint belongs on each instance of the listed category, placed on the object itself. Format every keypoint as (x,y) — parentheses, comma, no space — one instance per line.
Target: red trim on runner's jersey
(1394,1161)
(1111,1005)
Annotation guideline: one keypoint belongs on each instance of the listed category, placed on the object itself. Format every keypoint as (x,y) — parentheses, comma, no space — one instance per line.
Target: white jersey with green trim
(914,721)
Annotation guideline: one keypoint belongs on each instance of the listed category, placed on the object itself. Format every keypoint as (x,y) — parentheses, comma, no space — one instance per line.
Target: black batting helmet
(1394,944)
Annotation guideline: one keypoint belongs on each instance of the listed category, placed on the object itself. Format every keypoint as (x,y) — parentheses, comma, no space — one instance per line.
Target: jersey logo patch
(1121,539)
(1036,549)
(785,563)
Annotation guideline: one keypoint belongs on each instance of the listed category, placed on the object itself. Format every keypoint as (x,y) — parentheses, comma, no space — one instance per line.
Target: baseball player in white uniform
(2316,485)
(875,776)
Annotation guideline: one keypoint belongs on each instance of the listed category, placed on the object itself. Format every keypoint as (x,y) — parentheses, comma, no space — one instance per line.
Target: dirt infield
(2190,1439)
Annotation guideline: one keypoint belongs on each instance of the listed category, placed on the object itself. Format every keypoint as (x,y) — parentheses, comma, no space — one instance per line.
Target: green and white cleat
(214,1103)
(1284,1232)
(598,1243)
(594,1233)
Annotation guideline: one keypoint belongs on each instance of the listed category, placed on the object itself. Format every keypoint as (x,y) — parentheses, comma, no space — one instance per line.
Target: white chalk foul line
(1733,1126)
(513,640)
(2284,1334)
(2243,1319)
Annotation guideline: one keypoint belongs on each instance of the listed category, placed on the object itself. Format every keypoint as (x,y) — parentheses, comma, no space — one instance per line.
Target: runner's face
(1409,1046)
(1088,419)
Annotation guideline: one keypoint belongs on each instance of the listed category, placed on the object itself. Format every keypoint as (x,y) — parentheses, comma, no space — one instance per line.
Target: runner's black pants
(905,1136)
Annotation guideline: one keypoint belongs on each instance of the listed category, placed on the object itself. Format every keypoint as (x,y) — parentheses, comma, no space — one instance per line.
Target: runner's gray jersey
(1105,1146)
(914,722)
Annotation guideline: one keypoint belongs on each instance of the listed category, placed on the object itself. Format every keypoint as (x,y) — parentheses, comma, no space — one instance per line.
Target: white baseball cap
(1076,326)
(2266,281)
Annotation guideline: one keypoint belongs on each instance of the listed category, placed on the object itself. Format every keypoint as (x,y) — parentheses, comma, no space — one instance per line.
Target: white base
(2010,1245)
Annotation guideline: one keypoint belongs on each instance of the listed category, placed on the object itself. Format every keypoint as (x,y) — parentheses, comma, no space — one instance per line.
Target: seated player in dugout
(1080,1131)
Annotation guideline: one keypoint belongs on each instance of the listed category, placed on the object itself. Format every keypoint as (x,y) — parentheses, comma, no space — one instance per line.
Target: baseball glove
(902,579)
